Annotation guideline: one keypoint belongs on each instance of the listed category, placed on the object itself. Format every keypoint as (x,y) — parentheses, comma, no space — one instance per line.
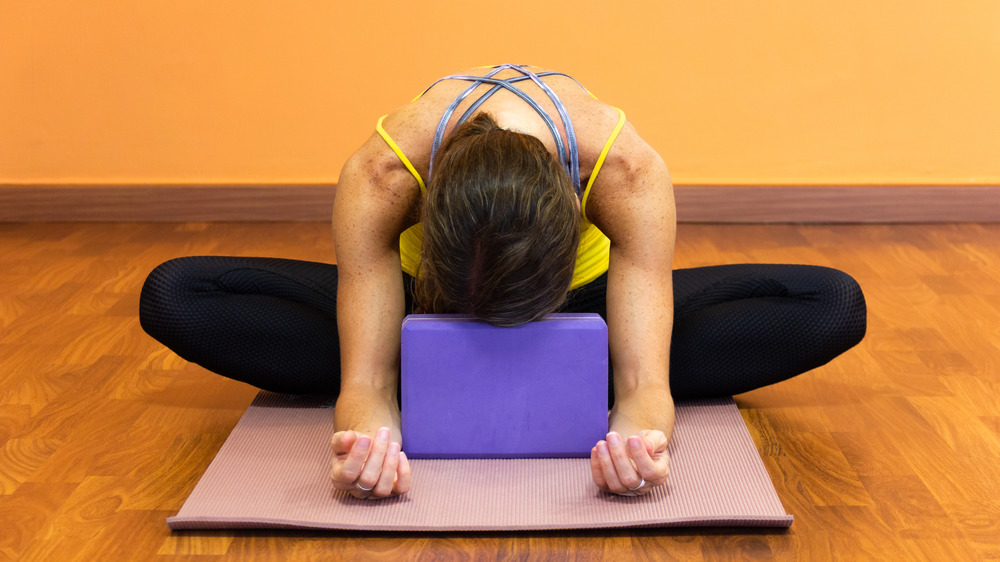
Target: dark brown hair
(501,227)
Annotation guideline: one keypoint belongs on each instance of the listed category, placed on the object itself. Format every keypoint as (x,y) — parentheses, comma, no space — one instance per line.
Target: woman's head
(501,227)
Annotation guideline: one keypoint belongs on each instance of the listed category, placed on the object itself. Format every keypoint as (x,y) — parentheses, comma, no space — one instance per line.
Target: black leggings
(272,322)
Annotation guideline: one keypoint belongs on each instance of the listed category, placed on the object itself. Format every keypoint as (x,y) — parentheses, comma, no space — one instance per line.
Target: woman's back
(413,126)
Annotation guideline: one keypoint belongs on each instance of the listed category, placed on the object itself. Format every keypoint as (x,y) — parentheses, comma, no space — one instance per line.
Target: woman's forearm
(635,209)
(370,302)
(370,310)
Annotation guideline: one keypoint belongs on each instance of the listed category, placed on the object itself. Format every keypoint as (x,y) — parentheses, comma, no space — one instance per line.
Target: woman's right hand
(369,468)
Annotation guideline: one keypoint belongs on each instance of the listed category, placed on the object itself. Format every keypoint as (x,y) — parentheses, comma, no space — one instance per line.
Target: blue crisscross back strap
(567,151)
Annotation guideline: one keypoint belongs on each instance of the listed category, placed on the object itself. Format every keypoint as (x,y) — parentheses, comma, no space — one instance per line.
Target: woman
(507,193)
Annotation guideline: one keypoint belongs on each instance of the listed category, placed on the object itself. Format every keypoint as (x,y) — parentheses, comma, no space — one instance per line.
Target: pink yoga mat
(272,472)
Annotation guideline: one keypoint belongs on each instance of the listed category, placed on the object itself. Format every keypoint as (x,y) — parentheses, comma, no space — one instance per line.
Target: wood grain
(891,451)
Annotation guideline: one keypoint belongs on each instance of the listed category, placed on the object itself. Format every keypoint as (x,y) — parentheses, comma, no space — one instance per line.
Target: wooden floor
(890,452)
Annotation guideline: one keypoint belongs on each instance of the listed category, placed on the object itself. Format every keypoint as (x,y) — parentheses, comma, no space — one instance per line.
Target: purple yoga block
(473,390)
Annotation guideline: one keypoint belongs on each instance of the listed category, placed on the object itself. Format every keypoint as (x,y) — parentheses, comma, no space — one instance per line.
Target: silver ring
(641,484)
(363,489)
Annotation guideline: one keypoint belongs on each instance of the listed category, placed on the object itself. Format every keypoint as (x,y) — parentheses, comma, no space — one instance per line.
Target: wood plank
(28,510)
(913,512)
(857,533)
(22,457)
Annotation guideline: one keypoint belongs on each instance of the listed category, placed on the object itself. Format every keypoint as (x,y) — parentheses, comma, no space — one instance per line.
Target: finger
(647,468)
(372,470)
(342,441)
(656,445)
(387,478)
(655,441)
(626,471)
(402,475)
(346,473)
(607,465)
(595,470)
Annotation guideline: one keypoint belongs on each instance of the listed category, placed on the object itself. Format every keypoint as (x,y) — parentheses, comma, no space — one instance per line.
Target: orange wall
(731,92)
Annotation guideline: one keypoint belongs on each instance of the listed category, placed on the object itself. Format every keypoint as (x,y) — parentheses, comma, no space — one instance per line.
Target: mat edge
(218,523)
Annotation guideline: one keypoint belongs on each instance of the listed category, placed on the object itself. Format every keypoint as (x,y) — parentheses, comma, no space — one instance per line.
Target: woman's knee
(164,294)
(833,302)
(823,302)
(848,312)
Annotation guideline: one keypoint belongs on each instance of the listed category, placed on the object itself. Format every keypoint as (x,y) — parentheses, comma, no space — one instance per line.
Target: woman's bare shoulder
(411,128)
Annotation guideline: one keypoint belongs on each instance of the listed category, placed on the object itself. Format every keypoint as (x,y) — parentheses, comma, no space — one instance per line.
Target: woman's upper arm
(632,203)
(375,202)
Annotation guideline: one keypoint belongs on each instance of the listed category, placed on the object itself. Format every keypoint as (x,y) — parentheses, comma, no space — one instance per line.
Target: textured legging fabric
(272,322)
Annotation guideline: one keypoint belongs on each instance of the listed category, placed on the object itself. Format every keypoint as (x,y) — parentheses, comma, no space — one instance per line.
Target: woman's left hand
(633,466)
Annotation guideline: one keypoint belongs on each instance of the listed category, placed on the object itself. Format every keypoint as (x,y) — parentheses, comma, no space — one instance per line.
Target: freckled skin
(631,202)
